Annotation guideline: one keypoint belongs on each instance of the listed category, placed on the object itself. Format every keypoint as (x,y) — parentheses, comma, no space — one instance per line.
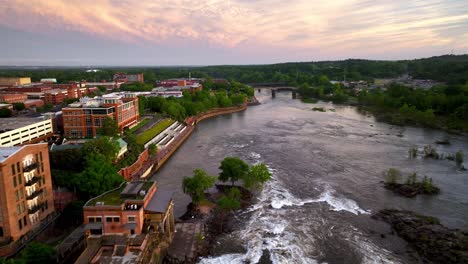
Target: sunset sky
(206,32)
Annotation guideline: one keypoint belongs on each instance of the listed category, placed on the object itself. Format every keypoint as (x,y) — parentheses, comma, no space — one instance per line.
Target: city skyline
(214,32)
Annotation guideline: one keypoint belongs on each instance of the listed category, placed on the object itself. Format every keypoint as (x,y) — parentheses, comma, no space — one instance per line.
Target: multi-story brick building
(26,197)
(9,98)
(127,218)
(126,78)
(82,119)
(55,96)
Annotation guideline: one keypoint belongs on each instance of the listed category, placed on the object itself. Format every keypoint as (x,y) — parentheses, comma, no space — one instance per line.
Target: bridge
(275,89)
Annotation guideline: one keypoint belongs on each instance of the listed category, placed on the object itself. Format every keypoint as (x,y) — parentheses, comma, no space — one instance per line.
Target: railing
(36,208)
(30,167)
(34,194)
(34,180)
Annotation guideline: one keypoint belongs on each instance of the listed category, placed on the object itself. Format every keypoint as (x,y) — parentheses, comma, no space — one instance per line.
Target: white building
(17,131)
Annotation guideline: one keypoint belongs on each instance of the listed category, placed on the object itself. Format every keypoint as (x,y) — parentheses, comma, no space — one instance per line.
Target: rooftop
(12,123)
(6,152)
(127,191)
(160,201)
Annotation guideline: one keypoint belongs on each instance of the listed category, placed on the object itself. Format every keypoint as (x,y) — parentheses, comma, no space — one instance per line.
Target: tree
(258,174)
(392,176)
(109,128)
(99,175)
(228,203)
(233,169)
(18,106)
(106,146)
(5,112)
(459,157)
(153,149)
(37,253)
(196,185)
(231,201)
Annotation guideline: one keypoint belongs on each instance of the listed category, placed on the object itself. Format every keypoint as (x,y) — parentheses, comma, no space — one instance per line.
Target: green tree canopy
(37,253)
(19,106)
(231,201)
(233,169)
(196,185)
(99,175)
(5,112)
(258,174)
(106,146)
(109,128)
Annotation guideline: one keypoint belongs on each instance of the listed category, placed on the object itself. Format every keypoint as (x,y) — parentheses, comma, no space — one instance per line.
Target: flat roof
(12,123)
(118,197)
(160,201)
(6,152)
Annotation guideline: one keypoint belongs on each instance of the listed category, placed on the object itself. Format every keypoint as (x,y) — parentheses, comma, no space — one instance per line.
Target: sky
(213,32)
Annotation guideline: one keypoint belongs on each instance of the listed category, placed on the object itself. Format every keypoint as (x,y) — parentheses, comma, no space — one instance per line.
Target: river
(327,171)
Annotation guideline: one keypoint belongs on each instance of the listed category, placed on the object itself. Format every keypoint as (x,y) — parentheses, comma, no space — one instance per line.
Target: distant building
(108,85)
(30,88)
(13,81)
(55,96)
(178,82)
(82,119)
(9,98)
(122,223)
(7,106)
(128,78)
(26,196)
(16,131)
(48,80)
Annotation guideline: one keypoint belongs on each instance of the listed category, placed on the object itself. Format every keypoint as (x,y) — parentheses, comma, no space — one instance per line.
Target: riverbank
(433,241)
(191,122)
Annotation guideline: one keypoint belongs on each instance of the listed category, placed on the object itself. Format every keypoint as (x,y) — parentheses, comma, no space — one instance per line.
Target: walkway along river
(327,169)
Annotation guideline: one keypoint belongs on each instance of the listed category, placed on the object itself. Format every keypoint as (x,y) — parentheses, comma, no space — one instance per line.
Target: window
(40,156)
(43,180)
(42,167)
(46,204)
(131,219)
(18,167)
(91,219)
(25,223)
(21,194)
(18,209)
(116,219)
(20,224)
(13,171)
(20,180)
(108,219)
(23,207)
(14,181)
(17,195)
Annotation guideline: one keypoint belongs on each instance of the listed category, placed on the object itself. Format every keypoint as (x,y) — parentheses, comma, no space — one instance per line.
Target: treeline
(452,69)
(443,105)
(200,101)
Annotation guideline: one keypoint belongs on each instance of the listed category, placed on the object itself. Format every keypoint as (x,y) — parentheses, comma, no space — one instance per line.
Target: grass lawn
(152,132)
(142,123)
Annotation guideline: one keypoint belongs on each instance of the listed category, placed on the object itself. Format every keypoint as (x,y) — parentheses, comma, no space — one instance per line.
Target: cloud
(303,26)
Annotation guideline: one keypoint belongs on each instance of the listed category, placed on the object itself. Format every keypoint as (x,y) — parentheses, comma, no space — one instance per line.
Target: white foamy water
(271,228)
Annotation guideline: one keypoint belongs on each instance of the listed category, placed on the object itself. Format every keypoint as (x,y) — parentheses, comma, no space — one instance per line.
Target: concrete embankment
(191,122)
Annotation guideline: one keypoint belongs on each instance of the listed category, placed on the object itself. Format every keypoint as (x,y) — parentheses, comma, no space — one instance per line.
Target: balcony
(30,167)
(36,208)
(34,194)
(34,180)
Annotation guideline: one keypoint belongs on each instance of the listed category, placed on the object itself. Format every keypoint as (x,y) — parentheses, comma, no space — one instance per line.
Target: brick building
(120,223)
(126,78)
(9,98)
(26,196)
(55,96)
(82,119)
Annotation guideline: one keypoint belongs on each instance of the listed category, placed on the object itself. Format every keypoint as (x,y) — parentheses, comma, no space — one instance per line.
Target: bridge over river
(275,89)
